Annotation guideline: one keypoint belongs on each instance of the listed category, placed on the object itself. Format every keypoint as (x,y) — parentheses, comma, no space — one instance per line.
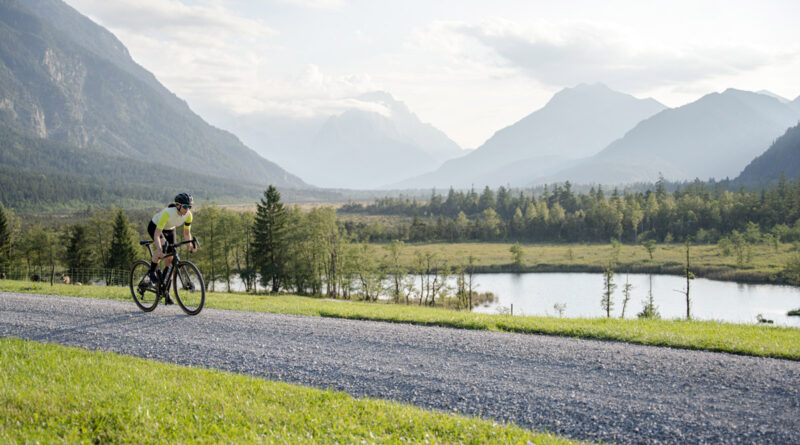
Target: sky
(469,68)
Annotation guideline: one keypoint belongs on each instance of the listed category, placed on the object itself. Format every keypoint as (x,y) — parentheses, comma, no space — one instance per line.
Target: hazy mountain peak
(378,96)
(394,107)
(752,96)
(577,122)
(713,137)
(594,97)
(776,96)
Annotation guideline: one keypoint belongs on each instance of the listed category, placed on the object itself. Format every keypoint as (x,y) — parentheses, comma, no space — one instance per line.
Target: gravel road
(589,390)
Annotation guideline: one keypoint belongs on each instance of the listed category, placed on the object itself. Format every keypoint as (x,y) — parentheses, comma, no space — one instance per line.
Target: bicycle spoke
(189,288)
(142,291)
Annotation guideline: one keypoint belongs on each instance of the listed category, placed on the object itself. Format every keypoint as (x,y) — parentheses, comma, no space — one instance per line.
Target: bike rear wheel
(143,292)
(189,287)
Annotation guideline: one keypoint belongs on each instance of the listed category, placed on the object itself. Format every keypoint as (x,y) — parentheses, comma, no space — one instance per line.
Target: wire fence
(94,276)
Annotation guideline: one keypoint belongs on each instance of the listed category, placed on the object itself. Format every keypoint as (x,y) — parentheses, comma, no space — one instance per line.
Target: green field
(57,394)
(755,340)
(765,262)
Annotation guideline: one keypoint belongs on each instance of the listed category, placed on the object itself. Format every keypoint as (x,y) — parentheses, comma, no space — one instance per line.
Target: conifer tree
(269,239)
(5,240)
(79,253)
(122,251)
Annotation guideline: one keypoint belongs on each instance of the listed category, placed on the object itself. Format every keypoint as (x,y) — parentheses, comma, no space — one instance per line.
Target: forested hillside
(88,93)
(39,174)
(782,158)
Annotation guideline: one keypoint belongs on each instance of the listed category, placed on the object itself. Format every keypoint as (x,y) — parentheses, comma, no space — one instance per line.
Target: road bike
(186,279)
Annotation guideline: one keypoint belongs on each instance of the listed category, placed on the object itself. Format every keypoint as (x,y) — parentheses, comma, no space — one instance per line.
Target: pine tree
(79,253)
(5,240)
(269,239)
(122,251)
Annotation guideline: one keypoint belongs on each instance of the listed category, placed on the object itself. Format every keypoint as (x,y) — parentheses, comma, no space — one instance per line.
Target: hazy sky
(469,68)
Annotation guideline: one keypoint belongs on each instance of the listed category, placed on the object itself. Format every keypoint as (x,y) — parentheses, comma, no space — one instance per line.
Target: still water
(580,294)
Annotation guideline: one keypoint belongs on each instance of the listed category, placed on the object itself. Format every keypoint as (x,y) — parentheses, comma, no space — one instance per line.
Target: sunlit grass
(57,394)
(765,262)
(745,339)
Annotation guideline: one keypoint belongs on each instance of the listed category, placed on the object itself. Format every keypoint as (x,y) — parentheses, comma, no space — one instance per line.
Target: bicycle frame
(172,251)
(184,277)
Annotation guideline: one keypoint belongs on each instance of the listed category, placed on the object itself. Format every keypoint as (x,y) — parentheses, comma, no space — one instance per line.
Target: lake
(580,293)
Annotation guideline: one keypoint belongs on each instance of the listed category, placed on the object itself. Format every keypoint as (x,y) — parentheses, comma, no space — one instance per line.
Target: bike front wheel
(189,287)
(143,291)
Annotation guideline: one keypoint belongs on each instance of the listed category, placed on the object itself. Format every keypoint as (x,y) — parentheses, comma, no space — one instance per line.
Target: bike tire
(189,287)
(144,294)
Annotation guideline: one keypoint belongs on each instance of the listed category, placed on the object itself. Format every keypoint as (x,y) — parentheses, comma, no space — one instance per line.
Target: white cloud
(173,18)
(465,74)
(571,53)
(214,57)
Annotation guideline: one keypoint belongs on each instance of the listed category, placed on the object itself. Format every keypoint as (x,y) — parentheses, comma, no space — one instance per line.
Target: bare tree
(626,293)
(689,276)
(607,303)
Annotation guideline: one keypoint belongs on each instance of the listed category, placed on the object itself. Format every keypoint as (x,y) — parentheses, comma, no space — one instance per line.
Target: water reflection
(580,293)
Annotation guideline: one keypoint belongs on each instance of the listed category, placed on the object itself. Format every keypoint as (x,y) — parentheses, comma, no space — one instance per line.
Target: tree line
(101,248)
(280,248)
(275,249)
(705,212)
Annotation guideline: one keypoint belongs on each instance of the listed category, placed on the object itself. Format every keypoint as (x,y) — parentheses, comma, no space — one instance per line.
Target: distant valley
(76,108)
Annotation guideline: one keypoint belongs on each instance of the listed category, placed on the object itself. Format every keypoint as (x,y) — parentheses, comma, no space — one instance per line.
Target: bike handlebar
(194,242)
(172,247)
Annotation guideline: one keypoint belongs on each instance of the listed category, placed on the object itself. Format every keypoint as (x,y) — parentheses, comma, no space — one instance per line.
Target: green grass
(764,266)
(744,339)
(57,394)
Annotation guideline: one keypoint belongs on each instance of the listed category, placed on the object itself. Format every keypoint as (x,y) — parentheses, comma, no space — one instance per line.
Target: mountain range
(75,108)
(576,123)
(377,142)
(782,158)
(68,80)
(713,137)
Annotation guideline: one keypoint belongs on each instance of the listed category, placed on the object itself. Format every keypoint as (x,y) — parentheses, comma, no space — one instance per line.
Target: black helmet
(184,198)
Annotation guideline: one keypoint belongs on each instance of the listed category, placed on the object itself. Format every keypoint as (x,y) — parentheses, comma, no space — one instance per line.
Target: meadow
(762,263)
(58,394)
(744,339)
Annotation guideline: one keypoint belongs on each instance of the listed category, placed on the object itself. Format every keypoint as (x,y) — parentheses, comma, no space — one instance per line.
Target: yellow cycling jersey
(168,219)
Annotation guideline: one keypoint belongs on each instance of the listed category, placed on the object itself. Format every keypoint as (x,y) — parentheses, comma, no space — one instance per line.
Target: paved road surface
(581,389)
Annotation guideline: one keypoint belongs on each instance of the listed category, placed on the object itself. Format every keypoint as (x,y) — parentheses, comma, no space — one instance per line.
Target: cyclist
(164,223)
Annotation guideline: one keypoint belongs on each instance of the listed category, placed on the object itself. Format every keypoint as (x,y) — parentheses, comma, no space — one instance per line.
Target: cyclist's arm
(187,232)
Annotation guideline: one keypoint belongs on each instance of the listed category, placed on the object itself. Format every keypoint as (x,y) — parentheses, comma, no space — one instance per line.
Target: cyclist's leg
(169,238)
(151,274)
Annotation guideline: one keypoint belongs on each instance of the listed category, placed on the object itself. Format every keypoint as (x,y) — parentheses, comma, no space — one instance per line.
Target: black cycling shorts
(169,235)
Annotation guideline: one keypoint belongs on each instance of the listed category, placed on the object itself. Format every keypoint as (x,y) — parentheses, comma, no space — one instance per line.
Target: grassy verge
(764,265)
(755,340)
(51,394)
